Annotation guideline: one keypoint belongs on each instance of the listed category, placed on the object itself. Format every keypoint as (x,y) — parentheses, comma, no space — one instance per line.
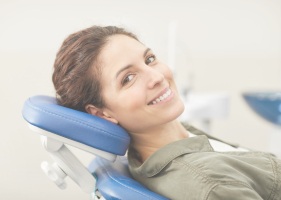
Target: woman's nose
(154,77)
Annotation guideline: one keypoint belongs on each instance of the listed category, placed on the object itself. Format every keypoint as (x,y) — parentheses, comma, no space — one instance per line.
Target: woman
(108,72)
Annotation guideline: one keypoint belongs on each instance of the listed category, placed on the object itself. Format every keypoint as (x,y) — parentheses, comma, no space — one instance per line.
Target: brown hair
(77,73)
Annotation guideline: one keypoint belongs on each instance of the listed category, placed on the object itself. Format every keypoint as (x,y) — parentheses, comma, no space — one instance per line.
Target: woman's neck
(146,143)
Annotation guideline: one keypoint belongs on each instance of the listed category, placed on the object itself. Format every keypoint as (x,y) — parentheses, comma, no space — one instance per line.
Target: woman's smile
(164,96)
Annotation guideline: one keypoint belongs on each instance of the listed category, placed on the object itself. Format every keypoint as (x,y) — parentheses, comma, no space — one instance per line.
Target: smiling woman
(108,72)
(132,79)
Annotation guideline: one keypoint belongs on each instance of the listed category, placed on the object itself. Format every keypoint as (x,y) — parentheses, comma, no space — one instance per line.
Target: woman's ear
(93,110)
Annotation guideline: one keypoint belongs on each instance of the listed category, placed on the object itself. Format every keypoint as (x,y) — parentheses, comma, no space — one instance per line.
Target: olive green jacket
(190,169)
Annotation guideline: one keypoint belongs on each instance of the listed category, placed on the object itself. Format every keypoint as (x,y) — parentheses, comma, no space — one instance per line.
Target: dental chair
(107,176)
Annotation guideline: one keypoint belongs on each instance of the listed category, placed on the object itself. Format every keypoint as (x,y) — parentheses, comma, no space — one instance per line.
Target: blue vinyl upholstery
(45,113)
(113,180)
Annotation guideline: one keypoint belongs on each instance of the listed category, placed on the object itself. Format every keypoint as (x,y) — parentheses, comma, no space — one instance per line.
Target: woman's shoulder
(244,167)
(208,169)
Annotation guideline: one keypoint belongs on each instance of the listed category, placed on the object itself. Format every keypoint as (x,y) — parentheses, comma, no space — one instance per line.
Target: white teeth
(161,98)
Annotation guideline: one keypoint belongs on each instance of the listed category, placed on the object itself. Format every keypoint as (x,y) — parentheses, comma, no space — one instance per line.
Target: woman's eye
(150,59)
(127,79)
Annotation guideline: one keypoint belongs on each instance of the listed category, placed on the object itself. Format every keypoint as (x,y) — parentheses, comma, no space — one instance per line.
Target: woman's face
(138,89)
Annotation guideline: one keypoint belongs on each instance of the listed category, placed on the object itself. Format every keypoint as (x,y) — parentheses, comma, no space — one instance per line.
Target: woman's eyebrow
(123,69)
(145,52)
(128,66)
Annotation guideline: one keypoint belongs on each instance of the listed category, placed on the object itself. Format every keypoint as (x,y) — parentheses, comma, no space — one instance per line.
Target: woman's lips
(161,97)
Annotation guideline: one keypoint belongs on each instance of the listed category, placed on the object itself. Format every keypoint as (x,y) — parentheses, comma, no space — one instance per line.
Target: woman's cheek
(134,99)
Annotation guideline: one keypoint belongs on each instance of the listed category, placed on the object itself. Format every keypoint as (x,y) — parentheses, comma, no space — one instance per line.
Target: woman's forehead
(119,42)
(120,50)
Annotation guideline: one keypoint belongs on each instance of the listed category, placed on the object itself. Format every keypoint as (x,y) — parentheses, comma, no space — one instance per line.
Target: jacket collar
(162,157)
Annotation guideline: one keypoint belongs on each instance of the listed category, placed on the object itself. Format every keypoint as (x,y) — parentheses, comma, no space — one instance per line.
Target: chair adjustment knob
(54,173)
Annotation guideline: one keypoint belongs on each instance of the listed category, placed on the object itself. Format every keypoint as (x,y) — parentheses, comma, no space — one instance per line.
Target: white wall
(224,45)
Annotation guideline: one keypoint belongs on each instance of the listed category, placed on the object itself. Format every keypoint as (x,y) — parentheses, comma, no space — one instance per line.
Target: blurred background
(217,50)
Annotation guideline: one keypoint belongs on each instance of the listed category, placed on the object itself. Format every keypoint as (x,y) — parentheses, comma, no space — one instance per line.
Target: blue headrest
(45,113)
